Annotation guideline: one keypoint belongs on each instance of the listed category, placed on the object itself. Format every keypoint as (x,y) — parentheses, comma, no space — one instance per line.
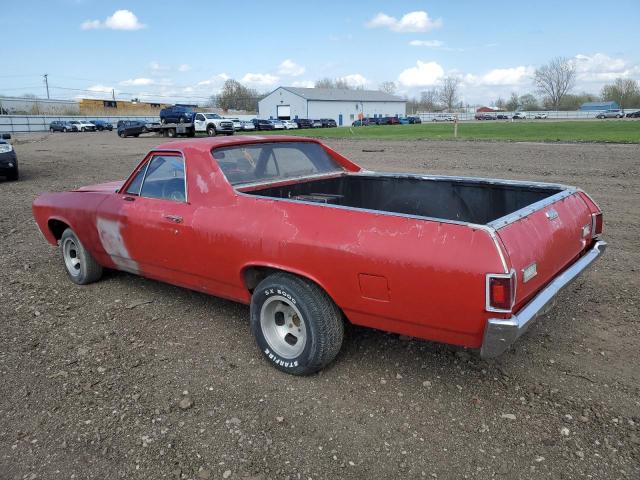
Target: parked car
(489,116)
(289,124)
(613,113)
(131,128)
(61,126)
(393,121)
(328,122)
(213,124)
(177,114)
(360,122)
(277,124)
(247,125)
(479,116)
(102,125)
(414,120)
(8,158)
(262,124)
(237,124)
(635,114)
(404,121)
(317,123)
(502,116)
(83,126)
(244,213)
(443,117)
(304,122)
(540,116)
(519,116)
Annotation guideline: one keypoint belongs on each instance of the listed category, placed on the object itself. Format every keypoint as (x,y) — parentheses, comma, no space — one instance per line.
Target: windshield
(212,115)
(273,161)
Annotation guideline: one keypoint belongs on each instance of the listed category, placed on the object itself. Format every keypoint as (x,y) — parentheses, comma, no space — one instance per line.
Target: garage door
(284,112)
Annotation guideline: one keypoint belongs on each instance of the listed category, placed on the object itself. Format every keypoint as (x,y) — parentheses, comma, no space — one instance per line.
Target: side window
(136,183)
(293,162)
(165,179)
(199,117)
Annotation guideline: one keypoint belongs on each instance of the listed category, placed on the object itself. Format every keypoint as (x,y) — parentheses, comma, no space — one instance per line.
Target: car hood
(108,187)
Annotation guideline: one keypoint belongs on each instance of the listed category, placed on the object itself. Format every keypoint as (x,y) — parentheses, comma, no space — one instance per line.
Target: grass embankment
(612,131)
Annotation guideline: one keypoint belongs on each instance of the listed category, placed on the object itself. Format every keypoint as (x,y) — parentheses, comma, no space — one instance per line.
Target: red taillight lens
(596,224)
(501,292)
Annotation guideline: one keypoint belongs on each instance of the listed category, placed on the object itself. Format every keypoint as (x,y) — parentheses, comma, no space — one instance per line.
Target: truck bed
(467,200)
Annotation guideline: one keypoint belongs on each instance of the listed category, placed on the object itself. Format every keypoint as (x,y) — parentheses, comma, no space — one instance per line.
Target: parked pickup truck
(311,240)
(212,123)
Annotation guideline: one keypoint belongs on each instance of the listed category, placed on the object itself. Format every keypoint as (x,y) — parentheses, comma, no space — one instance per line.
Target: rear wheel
(51,130)
(297,326)
(79,263)
(64,130)
(83,129)
(171,132)
(211,131)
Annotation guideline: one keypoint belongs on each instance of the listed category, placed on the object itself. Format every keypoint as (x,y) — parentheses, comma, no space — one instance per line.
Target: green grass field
(625,131)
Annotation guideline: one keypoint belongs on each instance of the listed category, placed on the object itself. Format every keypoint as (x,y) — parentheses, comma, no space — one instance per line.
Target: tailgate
(551,238)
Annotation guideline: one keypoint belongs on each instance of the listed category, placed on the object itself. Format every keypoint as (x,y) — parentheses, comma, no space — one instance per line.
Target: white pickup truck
(213,124)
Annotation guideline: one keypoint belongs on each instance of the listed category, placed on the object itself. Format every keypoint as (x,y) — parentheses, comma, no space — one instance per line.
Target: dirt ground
(91,378)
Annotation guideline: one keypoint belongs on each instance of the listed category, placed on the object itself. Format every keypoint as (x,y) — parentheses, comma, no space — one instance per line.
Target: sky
(157,50)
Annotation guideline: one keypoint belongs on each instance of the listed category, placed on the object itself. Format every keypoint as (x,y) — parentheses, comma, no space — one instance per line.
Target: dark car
(635,114)
(328,122)
(177,114)
(360,123)
(489,116)
(102,125)
(304,123)
(8,158)
(502,116)
(263,124)
(414,120)
(61,126)
(393,121)
(131,128)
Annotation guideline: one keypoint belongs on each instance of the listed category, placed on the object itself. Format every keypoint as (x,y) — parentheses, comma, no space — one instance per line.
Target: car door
(146,228)
(200,123)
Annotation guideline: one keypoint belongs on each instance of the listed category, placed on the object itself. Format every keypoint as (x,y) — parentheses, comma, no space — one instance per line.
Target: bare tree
(555,79)
(429,100)
(625,91)
(236,96)
(448,93)
(325,83)
(513,103)
(388,87)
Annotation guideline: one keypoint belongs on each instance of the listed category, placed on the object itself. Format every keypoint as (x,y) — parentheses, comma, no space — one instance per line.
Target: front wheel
(297,326)
(83,129)
(51,130)
(79,263)
(211,131)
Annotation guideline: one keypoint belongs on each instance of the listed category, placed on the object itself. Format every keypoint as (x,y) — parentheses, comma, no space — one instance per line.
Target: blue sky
(185,50)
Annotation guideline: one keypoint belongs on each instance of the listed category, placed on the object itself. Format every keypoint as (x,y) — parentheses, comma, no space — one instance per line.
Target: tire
(121,135)
(211,131)
(51,130)
(300,348)
(14,175)
(64,130)
(171,132)
(83,129)
(78,262)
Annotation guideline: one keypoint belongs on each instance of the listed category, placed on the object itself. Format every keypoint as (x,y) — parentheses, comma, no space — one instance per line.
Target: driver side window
(165,179)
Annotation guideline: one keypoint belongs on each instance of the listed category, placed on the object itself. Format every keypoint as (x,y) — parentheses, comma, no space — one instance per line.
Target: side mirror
(6,136)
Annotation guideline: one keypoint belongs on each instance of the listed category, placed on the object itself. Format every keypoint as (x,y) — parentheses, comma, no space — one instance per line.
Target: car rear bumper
(500,334)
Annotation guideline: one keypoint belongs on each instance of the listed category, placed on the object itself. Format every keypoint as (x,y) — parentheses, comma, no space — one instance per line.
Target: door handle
(174,218)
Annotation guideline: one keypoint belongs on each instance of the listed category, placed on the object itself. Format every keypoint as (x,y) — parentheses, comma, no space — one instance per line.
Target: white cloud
(138,82)
(303,84)
(426,43)
(507,76)
(600,67)
(184,67)
(260,79)
(418,21)
(354,80)
(290,68)
(157,67)
(90,25)
(100,88)
(424,74)
(120,20)
(215,81)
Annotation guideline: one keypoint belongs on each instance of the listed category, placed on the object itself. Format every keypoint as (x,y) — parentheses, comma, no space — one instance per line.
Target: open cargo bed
(467,200)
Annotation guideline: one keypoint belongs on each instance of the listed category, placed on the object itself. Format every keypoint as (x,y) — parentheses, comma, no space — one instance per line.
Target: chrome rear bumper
(500,333)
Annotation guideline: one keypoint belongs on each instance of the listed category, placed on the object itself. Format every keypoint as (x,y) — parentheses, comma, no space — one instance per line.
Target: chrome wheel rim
(71,255)
(283,327)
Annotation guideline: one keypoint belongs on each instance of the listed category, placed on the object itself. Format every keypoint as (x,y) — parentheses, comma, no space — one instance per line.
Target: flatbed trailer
(174,129)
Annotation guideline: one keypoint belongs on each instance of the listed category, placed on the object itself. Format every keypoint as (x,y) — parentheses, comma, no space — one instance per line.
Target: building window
(351,116)
(110,104)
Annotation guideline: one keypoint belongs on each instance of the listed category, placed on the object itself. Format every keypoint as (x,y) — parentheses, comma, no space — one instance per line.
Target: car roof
(206,144)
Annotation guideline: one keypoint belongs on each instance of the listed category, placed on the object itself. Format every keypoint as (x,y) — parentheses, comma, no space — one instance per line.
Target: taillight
(596,224)
(501,292)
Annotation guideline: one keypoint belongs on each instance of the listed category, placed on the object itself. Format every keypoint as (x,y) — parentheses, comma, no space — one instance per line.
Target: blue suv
(177,114)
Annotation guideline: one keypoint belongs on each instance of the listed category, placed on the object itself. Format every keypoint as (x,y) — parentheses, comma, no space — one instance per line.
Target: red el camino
(311,241)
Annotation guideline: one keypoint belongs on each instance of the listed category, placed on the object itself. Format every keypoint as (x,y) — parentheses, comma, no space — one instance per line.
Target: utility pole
(46,82)
(113,94)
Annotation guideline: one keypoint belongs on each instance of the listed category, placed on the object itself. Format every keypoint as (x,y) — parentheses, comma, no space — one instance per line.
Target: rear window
(273,161)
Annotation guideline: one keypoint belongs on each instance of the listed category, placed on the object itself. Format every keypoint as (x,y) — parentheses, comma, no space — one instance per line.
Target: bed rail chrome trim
(500,333)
